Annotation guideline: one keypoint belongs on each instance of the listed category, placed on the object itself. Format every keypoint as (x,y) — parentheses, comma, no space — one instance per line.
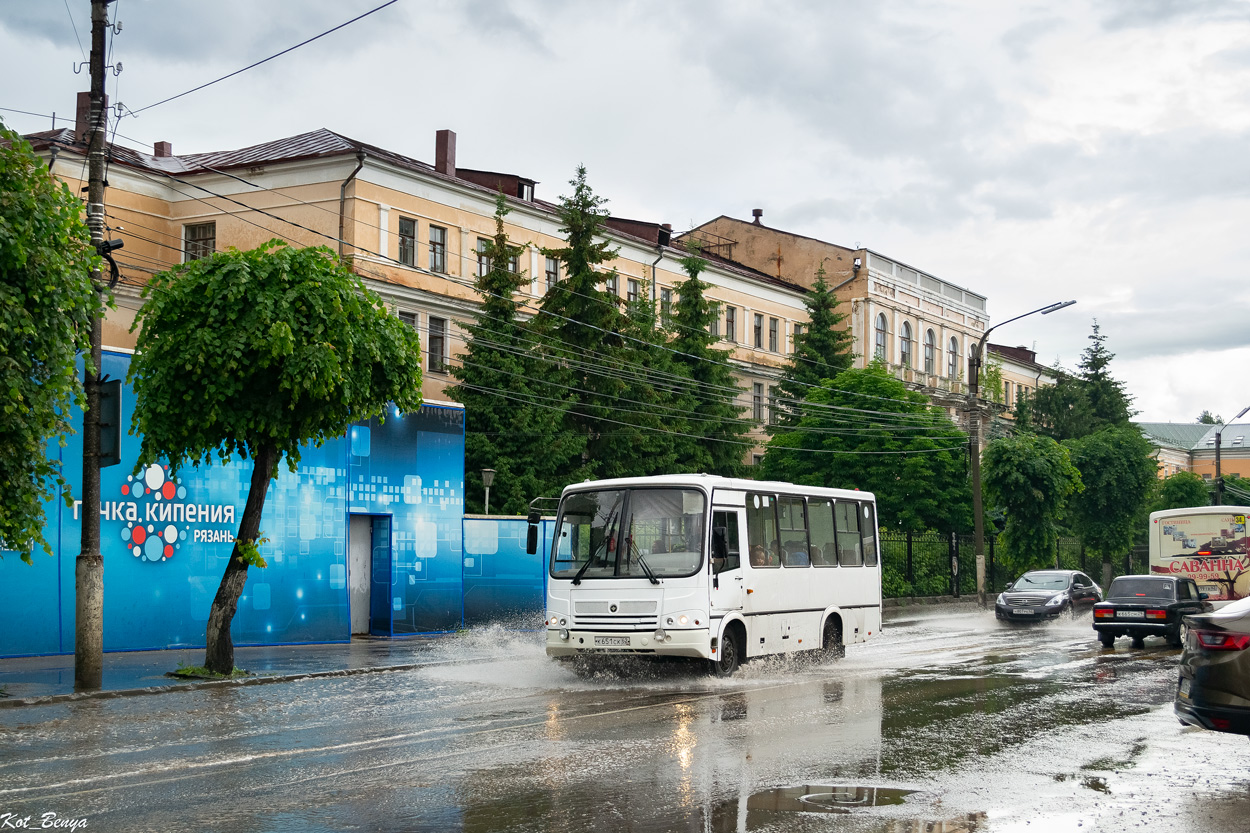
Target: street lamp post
(974,430)
(488,477)
(1219,480)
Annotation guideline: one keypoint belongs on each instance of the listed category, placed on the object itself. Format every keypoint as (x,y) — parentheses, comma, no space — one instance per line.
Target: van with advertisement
(1205,543)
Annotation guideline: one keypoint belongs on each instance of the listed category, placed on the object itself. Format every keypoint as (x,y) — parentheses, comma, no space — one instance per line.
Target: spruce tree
(715,443)
(514,409)
(1109,404)
(821,351)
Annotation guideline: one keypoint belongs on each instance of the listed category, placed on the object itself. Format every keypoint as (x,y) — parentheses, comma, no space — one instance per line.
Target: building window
(200,240)
(553,272)
(409,318)
(713,326)
(772,405)
(930,352)
(438,249)
(952,358)
(611,285)
(758,331)
(798,331)
(772,334)
(879,345)
(731,324)
(666,305)
(757,402)
(483,262)
(408,241)
(514,264)
(904,345)
(631,290)
(437,344)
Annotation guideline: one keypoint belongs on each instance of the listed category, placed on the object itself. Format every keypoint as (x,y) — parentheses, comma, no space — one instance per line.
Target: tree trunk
(219,650)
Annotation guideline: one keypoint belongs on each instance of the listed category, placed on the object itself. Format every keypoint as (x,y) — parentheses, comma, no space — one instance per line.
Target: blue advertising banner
(166,538)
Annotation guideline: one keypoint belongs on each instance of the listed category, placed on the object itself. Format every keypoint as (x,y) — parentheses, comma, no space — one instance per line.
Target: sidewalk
(41,680)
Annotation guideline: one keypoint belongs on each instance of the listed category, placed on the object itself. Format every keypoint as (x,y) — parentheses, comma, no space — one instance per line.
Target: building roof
(1188,436)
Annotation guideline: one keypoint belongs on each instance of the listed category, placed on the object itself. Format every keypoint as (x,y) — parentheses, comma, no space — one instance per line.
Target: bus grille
(627,616)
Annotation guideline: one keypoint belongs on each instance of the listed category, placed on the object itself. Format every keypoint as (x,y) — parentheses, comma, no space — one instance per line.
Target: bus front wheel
(832,644)
(726,661)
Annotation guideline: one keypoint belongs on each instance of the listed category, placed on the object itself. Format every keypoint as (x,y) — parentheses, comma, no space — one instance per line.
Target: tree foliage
(1180,491)
(865,430)
(254,354)
(1207,418)
(1077,406)
(46,305)
(1030,478)
(821,351)
(514,405)
(714,428)
(1118,474)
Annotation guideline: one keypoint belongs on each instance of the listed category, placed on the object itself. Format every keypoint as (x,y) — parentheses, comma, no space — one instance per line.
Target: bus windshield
(629,533)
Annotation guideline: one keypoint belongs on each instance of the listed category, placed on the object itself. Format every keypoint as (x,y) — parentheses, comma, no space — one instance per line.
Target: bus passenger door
(726,573)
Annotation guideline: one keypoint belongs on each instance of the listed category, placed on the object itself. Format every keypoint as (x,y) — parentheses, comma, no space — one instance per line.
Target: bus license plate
(1022,611)
(612,641)
(1130,614)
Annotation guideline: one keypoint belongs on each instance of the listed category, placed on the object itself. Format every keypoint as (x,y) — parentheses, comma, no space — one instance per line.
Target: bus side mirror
(531,534)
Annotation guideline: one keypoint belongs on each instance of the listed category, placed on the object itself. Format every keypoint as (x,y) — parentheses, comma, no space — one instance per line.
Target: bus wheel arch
(832,642)
(731,649)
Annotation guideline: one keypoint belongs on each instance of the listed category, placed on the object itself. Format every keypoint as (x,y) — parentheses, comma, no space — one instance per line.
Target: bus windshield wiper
(642,562)
(577,579)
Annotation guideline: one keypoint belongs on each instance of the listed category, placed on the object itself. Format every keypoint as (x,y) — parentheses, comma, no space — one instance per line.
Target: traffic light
(110,422)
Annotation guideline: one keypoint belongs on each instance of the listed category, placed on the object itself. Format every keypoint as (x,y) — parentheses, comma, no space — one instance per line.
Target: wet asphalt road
(942,723)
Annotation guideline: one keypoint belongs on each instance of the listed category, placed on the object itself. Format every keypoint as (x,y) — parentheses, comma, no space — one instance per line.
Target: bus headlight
(659,634)
(557,620)
(564,634)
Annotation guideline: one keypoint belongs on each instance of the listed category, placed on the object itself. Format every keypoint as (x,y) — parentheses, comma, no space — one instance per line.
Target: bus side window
(793,521)
(727,521)
(762,530)
(850,547)
(869,529)
(824,543)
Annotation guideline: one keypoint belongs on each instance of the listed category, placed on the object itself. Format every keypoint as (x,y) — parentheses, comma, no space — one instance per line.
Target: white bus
(710,568)
(1206,543)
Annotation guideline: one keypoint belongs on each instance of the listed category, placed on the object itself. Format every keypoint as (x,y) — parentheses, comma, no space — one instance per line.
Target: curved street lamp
(974,382)
(1219,480)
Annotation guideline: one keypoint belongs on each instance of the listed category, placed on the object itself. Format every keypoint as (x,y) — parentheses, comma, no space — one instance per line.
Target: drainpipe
(360,163)
(659,249)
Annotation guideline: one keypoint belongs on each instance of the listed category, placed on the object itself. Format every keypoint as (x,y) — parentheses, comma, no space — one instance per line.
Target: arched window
(879,349)
(952,358)
(930,352)
(904,345)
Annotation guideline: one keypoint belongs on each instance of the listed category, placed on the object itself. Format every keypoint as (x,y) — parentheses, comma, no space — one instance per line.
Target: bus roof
(1164,514)
(708,482)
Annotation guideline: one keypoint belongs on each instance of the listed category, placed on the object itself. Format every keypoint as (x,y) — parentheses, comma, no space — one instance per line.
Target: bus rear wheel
(832,646)
(726,662)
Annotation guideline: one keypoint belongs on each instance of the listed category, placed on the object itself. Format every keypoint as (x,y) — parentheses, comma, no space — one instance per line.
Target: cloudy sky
(1094,150)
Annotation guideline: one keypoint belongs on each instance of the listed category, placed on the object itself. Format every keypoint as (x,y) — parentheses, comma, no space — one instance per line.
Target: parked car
(1041,595)
(1141,606)
(1214,686)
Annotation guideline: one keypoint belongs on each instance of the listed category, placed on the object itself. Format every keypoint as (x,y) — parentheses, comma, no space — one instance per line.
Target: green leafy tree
(821,351)
(865,430)
(716,430)
(254,354)
(514,405)
(1077,406)
(614,405)
(1030,478)
(1181,490)
(46,305)
(1118,473)
(1207,418)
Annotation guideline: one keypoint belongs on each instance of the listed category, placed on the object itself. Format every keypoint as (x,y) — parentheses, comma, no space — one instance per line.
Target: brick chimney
(445,152)
(162,149)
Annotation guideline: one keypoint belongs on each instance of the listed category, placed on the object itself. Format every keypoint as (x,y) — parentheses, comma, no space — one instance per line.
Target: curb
(53,699)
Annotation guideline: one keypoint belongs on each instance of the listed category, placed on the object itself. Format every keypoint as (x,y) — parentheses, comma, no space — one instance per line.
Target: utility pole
(89,566)
(1219,479)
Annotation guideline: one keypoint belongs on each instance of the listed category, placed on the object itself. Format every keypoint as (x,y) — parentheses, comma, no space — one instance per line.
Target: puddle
(826,799)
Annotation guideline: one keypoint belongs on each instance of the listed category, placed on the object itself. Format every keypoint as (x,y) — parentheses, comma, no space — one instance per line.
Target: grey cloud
(1019,40)
(1131,14)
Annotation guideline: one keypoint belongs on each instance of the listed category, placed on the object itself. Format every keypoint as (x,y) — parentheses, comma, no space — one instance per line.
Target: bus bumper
(695,642)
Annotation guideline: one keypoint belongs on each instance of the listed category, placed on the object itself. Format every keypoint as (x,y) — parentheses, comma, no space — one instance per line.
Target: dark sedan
(1141,606)
(1214,687)
(1042,595)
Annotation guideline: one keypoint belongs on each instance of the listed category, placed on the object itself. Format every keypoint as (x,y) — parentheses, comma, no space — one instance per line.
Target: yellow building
(412,230)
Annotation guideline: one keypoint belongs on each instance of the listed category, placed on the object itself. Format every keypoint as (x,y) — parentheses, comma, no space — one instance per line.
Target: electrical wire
(265,60)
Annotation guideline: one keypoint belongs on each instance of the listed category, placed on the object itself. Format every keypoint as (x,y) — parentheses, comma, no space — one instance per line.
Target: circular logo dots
(171,534)
(169,550)
(154,476)
(182,493)
(125,533)
(139,534)
(153,549)
(125,489)
(169,490)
